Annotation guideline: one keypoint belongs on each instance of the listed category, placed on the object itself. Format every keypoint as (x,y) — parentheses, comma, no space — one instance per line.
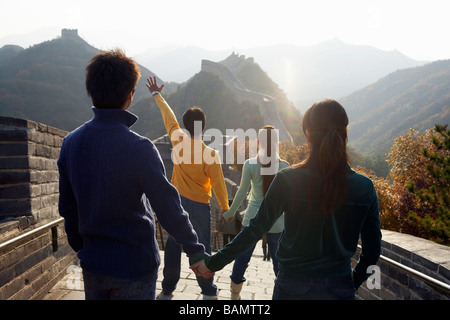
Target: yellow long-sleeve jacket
(197,167)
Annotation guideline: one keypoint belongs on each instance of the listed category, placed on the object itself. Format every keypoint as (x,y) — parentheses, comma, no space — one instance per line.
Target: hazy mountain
(412,98)
(8,52)
(46,82)
(26,40)
(330,69)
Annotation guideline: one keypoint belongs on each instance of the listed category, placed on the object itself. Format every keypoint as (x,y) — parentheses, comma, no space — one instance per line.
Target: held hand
(200,269)
(153,86)
(225,216)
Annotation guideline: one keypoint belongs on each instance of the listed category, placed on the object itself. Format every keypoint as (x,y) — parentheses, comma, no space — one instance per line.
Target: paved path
(259,284)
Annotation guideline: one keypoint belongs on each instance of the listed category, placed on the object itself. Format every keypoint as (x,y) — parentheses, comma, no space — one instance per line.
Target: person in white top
(257,172)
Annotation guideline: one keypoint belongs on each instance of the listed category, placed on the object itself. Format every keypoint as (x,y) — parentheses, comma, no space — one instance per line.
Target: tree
(433,217)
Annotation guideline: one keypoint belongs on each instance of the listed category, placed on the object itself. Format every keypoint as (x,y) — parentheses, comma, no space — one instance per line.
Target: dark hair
(269,146)
(190,116)
(110,78)
(325,124)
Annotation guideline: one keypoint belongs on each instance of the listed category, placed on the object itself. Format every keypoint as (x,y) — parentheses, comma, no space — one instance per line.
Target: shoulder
(210,151)
(283,164)
(362,184)
(251,164)
(141,146)
(297,174)
(360,178)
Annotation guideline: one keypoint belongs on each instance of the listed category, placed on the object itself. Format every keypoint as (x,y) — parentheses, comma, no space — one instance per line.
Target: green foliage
(433,217)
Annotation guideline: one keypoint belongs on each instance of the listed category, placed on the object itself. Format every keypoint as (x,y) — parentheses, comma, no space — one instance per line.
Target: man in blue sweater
(111,181)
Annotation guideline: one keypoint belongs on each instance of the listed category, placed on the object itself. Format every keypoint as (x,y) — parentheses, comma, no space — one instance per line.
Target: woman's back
(251,176)
(317,244)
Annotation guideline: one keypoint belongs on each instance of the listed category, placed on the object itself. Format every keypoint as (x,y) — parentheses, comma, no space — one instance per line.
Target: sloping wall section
(265,102)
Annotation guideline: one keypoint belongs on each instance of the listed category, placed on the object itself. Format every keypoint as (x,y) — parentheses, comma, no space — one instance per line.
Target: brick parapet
(28,173)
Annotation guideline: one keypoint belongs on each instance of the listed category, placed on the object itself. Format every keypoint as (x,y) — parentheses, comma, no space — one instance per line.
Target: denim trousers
(291,288)
(101,287)
(241,263)
(200,217)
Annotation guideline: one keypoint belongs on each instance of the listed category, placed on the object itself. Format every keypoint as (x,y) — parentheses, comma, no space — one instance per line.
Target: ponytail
(269,148)
(332,165)
(325,125)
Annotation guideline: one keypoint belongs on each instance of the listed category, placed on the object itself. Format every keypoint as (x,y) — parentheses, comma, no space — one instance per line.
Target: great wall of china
(35,255)
(266,103)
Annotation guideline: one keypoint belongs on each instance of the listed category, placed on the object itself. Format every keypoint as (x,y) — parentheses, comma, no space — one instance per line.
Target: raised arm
(169,118)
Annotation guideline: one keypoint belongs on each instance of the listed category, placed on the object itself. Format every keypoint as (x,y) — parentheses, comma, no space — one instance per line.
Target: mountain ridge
(415,98)
(331,68)
(45,82)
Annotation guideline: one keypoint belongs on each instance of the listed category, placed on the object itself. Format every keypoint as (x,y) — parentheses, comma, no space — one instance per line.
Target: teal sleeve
(241,193)
(370,243)
(270,210)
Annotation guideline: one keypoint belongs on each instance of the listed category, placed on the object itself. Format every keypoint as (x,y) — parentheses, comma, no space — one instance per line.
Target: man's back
(110,170)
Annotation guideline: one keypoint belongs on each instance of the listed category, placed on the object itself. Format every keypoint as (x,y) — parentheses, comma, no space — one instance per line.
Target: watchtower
(69,33)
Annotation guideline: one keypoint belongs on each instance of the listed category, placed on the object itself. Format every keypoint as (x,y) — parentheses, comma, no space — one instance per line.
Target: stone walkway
(259,284)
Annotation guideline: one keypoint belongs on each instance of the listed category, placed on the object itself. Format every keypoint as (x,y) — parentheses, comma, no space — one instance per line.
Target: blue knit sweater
(111,182)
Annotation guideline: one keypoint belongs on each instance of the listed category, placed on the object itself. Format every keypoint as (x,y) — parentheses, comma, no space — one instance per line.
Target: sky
(418,29)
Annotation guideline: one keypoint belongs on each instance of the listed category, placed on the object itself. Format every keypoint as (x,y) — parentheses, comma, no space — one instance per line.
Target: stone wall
(34,253)
(30,265)
(411,269)
(266,103)
(28,173)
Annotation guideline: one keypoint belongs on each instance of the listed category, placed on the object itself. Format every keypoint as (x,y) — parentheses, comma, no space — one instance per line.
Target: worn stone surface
(259,285)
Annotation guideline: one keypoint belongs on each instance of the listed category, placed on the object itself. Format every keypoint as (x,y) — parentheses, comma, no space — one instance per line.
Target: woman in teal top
(251,176)
(327,207)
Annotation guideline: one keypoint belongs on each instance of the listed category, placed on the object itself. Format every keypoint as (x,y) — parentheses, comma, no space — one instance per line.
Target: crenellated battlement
(69,33)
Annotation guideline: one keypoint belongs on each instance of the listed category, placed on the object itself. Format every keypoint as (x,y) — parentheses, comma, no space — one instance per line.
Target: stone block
(444,271)
(19,162)
(13,135)
(15,191)
(14,176)
(14,149)
(16,208)
(6,276)
(8,123)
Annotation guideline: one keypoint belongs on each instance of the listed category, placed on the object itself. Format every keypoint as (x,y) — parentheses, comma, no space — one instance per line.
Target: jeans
(241,263)
(100,287)
(290,288)
(200,217)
